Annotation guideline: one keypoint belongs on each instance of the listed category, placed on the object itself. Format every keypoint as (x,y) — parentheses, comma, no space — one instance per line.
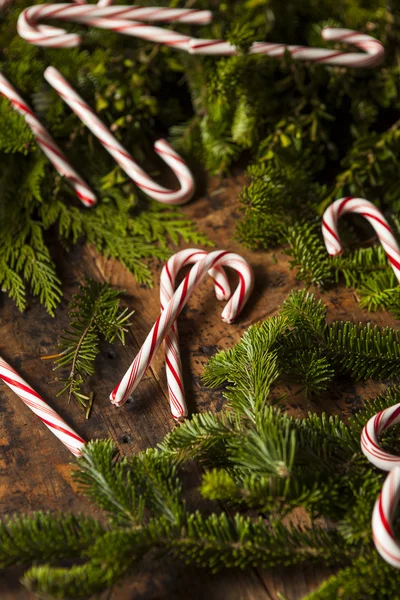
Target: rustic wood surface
(35,467)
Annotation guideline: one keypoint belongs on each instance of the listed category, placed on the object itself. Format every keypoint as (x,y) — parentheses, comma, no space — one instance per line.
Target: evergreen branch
(45,537)
(94,312)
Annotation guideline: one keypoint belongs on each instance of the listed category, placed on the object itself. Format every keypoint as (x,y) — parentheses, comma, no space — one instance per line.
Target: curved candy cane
(118,152)
(47,415)
(174,307)
(172,354)
(116,18)
(374,51)
(373,215)
(47,144)
(370,438)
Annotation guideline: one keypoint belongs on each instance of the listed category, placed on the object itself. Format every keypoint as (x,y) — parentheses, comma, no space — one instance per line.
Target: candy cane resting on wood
(118,152)
(163,325)
(121,19)
(173,363)
(47,144)
(373,50)
(366,209)
(47,415)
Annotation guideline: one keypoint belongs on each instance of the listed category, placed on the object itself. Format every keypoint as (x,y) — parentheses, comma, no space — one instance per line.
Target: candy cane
(172,354)
(373,215)
(174,307)
(35,402)
(110,18)
(118,152)
(385,506)
(47,144)
(382,519)
(114,18)
(370,438)
(373,55)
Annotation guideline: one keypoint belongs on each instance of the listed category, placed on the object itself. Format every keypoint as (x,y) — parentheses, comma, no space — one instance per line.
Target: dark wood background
(35,466)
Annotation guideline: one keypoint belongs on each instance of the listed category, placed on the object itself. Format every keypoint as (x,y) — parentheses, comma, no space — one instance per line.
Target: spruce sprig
(94,314)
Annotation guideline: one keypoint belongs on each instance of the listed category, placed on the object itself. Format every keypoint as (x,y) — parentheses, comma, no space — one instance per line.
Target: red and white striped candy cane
(47,415)
(47,144)
(174,307)
(382,519)
(121,19)
(370,438)
(373,215)
(173,363)
(385,506)
(373,50)
(118,152)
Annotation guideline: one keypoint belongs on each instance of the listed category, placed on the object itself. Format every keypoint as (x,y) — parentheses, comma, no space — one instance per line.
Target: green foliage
(94,314)
(300,341)
(51,535)
(267,466)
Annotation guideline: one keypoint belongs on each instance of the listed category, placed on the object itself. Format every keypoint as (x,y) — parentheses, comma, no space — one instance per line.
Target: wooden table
(35,470)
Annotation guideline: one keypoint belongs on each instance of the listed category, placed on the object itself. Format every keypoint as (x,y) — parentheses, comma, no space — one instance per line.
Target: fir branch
(46,537)
(94,313)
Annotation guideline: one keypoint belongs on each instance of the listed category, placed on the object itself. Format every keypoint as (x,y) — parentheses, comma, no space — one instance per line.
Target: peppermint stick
(47,415)
(121,19)
(174,307)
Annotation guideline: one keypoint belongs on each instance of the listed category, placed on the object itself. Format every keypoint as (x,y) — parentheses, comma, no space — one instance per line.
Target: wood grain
(34,466)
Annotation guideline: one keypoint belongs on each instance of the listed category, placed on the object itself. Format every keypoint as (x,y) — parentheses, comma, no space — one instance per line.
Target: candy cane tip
(226,319)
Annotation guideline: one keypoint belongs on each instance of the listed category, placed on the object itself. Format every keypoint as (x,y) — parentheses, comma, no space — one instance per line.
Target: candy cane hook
(115,18)
(47,415)
(173,363)
(174,307)
(118,152)
(375,218)
(372,55)
(370,438)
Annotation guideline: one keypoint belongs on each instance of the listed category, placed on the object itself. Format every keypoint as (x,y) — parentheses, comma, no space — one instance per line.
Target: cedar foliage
(258,461)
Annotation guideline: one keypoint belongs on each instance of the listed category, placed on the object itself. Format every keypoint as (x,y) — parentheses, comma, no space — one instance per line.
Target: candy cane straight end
(382,519)
(46,414)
